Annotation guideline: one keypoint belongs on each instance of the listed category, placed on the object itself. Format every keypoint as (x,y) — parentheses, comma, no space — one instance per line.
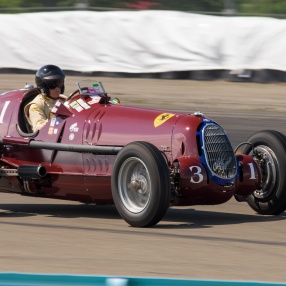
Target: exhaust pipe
(31,172)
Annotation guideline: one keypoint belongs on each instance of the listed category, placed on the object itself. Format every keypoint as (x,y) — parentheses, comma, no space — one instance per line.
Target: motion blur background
(274,8)
(237,40)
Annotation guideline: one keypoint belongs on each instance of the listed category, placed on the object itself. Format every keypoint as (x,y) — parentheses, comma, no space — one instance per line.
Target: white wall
(141,41)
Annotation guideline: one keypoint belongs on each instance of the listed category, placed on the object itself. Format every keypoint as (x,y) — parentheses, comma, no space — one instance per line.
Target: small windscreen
(91,87)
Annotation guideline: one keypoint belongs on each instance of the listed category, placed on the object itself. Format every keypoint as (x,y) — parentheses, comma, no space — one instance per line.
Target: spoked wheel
(269,150)
(141,184)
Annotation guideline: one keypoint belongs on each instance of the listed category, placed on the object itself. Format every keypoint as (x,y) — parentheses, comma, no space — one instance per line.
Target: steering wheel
(76,92)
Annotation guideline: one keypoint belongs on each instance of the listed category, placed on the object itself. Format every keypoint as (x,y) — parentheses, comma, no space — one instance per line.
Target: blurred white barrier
(141,41)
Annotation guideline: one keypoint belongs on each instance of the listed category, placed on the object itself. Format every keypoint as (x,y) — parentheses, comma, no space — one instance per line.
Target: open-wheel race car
(97,150)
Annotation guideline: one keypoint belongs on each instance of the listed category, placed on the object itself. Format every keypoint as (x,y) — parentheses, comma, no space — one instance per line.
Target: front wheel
(268,150)
(141,184)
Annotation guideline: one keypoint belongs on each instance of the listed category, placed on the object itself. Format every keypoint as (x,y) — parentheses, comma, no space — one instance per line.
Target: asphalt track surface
(228,241)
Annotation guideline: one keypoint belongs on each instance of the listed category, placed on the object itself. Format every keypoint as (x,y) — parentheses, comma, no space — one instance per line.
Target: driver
(50,81)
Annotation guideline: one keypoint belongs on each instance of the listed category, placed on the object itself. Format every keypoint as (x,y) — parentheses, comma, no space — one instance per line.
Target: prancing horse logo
(160,119)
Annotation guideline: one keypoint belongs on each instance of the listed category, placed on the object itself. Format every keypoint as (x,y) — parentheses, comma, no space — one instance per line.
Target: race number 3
(3,111)
(196,174)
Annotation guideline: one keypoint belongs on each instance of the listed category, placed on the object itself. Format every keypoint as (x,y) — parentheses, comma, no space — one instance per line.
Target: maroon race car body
(96,150)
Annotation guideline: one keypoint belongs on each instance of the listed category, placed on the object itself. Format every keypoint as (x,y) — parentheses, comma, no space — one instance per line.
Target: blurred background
(273,8)
(236,40)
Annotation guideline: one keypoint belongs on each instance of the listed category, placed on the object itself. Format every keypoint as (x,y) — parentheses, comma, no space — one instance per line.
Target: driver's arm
(37,117)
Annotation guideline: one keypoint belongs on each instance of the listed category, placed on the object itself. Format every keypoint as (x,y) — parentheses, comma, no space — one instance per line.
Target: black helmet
(48,77)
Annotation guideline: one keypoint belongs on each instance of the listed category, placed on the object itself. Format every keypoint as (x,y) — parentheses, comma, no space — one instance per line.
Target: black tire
(269,151)
(141,184)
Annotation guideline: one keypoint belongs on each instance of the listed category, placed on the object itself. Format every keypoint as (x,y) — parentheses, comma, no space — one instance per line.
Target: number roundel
(196,174)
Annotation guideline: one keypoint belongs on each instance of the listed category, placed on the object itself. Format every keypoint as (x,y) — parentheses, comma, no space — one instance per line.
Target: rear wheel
(141,184)
(268,150)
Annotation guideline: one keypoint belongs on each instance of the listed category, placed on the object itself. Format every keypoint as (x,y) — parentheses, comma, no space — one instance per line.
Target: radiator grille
(218,151)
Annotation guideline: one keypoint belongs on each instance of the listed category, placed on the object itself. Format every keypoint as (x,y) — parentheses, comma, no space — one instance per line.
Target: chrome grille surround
(218,151)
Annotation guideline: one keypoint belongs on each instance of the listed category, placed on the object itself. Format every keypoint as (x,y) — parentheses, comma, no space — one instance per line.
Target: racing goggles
(52,84)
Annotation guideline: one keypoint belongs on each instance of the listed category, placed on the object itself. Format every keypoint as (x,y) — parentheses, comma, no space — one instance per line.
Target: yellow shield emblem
(160,119)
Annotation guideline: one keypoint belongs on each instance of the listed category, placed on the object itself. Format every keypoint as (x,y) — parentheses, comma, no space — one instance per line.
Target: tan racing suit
(38,111)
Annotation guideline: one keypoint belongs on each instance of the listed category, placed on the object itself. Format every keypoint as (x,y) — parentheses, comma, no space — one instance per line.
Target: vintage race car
(97,150)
